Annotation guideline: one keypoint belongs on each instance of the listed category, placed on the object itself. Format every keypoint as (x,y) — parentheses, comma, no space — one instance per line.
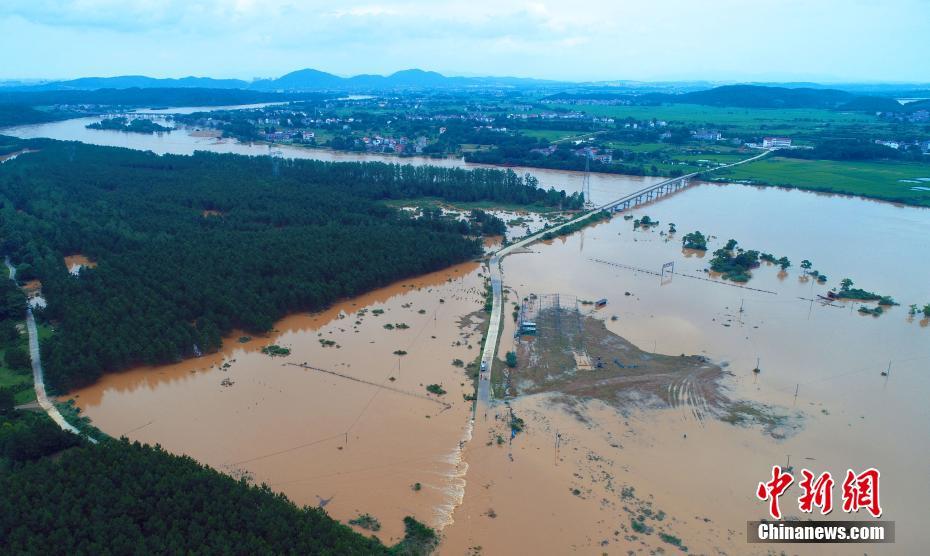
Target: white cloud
(596,39)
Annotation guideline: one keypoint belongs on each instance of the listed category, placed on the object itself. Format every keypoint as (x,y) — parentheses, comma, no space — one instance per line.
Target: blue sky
(779,40)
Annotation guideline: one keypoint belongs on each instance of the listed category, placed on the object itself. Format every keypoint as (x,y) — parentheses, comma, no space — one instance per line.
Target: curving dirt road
(37,374)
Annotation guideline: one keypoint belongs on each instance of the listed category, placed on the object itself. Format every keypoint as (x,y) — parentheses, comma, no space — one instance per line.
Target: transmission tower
(586,181)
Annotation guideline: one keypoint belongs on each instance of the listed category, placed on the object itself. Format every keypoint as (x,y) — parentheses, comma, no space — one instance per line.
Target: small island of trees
(734,263)
(136,125)
(694,240)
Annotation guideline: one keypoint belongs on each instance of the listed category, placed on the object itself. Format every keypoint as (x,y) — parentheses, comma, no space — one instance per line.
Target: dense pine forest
(191,247)
(58,496)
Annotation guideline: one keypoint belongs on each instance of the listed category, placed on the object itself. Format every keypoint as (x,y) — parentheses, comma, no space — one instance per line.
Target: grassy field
(550,134)
(879,180)
(771,121)
(20,381)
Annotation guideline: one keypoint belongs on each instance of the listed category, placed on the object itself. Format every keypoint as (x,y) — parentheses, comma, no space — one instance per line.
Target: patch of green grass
(45,331)
(18,380)
(550,134)
(875,179)
(766,121)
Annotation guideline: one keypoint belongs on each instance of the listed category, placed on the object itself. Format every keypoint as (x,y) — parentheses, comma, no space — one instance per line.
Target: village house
(776,142)
(707,135)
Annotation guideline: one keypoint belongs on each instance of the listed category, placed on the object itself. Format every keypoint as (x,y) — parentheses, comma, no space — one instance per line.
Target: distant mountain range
(297,81)
(312,80)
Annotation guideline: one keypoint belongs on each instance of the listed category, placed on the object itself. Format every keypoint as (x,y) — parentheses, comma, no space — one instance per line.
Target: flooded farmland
(625,462)
(584,475)
(356,433)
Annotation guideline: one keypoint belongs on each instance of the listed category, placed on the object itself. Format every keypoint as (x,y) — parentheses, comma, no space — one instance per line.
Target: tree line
(191,247)
(127,498)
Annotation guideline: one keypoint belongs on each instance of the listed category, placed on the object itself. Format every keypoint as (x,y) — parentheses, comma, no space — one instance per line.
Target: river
(820,366)
(604,187)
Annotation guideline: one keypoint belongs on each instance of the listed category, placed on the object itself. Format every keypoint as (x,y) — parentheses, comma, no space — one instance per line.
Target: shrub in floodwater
(517,424)
(694,240)
(244,339)
(460,363)
(670,539)
(435,389)
(511,359)
(640,527)
(400,352)
(366,521)
(275,350)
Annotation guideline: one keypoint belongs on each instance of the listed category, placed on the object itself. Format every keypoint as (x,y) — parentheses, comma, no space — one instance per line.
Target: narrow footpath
(38,376)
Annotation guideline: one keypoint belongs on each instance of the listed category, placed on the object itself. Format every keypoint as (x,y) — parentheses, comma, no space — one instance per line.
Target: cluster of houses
(915,117)
(559,116)
(644,124)
(595,154)
(706,135)
(398,145)
(924,146)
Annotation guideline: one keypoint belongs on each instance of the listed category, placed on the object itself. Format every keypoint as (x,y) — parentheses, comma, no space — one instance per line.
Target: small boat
(600,303)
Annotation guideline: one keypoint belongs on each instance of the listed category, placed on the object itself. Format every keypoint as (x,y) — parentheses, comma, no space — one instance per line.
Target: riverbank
(892,181)
(324,440)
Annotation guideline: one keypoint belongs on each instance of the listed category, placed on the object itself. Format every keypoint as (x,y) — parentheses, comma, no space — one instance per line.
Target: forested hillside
(127,498)
(191,247)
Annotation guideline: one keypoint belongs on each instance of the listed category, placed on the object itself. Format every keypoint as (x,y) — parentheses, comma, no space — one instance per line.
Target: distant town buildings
(776,142)
(708,135)
(891,144)
(595,154)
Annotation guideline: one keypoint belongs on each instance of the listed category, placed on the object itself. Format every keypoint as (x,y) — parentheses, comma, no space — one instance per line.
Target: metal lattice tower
(586,181)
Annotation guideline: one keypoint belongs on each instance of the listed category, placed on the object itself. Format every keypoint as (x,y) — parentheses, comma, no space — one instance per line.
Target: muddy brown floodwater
(325,439)
(584,470)
(672,470)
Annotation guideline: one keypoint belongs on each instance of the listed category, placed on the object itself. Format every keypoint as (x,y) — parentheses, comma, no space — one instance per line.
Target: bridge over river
(626,202)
